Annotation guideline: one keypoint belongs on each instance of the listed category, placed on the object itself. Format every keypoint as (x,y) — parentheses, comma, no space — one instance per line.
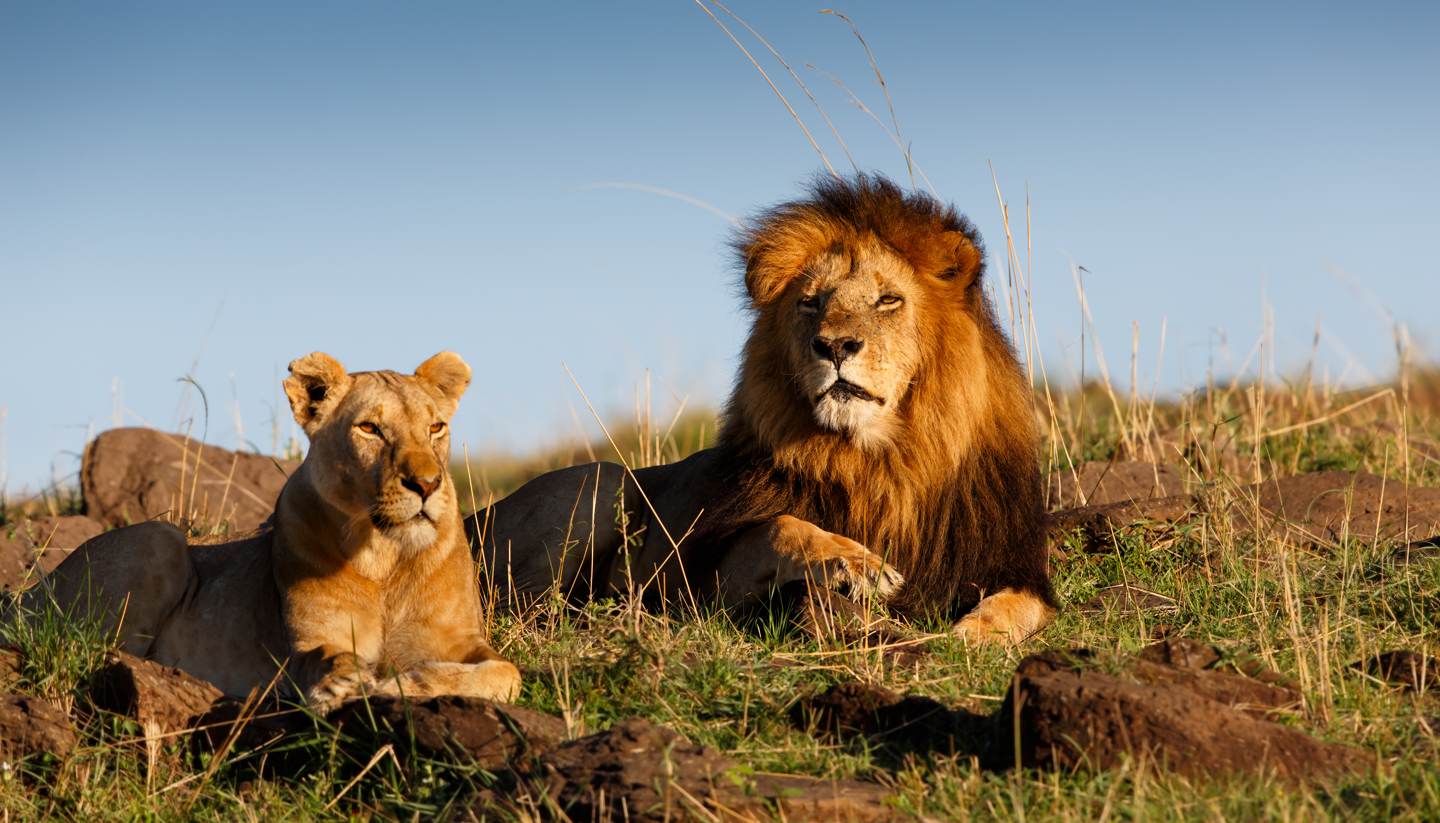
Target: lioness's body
(880,429)
(362,580)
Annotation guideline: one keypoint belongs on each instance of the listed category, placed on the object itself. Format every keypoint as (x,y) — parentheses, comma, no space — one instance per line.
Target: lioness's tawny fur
(362,580)
(880,430)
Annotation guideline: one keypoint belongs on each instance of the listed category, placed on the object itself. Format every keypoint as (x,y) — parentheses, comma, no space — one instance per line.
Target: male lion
(880,431)
(361,581)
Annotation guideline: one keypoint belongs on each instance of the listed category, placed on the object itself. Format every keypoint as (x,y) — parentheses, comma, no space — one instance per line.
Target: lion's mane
(953,499)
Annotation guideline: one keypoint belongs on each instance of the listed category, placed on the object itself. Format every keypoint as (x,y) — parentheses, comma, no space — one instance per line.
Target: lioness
(880,438)
(361,581)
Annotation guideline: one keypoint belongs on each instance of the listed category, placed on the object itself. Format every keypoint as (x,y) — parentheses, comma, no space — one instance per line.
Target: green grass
(730,682)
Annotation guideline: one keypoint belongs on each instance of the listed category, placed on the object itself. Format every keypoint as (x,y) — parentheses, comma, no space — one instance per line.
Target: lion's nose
(837,350)
(423,486)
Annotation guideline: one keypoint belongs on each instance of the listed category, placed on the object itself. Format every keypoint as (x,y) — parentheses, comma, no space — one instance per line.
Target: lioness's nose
(837,350)
(423,486)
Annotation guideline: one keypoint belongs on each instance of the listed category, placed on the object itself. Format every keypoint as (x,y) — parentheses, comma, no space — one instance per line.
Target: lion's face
(866,301)
(380,441)
(854,337)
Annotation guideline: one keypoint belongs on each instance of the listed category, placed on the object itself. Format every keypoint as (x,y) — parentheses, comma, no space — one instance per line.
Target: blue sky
(189,189)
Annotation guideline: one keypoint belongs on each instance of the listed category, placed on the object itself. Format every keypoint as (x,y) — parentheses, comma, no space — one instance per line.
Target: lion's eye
(809,305)
(890,301)
(436,428)
(368,428)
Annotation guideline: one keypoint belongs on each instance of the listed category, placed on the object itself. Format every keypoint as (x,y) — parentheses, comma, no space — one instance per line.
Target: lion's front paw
(980,629)
(338,687)
(1008,616)
(861,572)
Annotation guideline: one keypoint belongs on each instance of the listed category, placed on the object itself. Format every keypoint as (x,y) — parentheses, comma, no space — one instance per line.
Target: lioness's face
(380,443)
(855,342)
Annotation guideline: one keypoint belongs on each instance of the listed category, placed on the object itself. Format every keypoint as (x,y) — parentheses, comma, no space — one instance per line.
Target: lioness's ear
(316,384)
(961,259)
(448,373)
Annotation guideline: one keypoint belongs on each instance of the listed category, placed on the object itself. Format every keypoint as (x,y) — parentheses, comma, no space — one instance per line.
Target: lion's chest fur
(952,539)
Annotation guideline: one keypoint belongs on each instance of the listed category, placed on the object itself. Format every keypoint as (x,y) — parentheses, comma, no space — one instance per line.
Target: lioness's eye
(436,428)
(891,300)
(368,428)
(809,304)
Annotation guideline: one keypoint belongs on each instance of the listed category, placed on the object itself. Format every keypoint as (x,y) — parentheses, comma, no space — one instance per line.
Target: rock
(33,547)
(16,564)
(64,533)
(1099,484)
(1183,652)
(1326,506)
(11,665)
(130,475)
(1097,525)
(1412,670)
(162,699)
(1420,551)
(1243,684)
(31,727)
(490,735)
(1320,507)
(1123,597)
(911,723)
(640,771)
(1195,721)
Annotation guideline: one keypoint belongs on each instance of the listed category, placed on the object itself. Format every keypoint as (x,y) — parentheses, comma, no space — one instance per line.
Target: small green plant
(59,648)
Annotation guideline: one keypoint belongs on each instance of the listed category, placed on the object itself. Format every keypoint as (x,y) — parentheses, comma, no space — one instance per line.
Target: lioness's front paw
(497,680)
(336,688)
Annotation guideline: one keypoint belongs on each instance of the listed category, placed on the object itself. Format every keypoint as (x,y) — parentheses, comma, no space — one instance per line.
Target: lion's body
(362,580)
(878,406)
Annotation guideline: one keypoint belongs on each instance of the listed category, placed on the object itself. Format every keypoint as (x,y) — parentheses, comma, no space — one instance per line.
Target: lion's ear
(961,259)
(316,384)
(448,373)
(767,277)
(777,247)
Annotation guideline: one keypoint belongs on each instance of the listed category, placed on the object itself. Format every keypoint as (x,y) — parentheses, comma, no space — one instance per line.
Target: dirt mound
(11,664)
(1173,707)
(35,546)
(162,699)
(640,771)
(1414,671)
(1327,506)
(31,727)
(130,475)
(488,734)
(908,723)
(1316,508)
(1099,484)
(1101,520)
